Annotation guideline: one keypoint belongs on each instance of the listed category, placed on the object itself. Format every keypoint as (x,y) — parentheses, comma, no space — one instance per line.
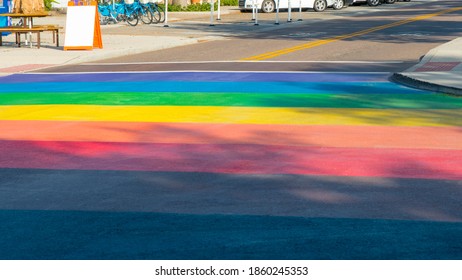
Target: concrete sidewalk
(118,40)
(439,70)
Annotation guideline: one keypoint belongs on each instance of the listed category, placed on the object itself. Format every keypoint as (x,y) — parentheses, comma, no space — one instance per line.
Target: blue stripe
(210,87)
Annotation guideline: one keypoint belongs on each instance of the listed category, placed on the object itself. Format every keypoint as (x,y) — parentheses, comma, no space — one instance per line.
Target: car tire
(319,5)
(268,6)
(373,3)
(390,1)
(338,4)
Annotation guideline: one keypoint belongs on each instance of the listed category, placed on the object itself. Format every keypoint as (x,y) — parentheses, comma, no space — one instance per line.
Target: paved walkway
(118,40)
(439,70)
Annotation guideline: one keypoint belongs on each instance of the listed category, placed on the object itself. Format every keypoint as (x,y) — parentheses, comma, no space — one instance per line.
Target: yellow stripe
(238,115)
(273,54)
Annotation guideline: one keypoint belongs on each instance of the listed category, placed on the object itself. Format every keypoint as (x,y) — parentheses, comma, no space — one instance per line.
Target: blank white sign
(80,26)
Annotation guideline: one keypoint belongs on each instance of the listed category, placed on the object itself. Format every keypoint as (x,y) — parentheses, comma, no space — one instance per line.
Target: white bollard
(289,15)
(211,13)
(219,11)
(166,13)
(277,13)
(299,10)
(256,14)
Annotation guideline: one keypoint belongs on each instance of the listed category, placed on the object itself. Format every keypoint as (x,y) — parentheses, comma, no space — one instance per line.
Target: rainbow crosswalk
(336,124)
(227,165)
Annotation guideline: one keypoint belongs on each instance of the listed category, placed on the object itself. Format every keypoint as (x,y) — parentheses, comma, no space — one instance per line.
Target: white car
(269,6)
(377,2)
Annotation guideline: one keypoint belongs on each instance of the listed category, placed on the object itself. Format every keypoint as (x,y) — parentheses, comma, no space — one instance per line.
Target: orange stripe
(330,136)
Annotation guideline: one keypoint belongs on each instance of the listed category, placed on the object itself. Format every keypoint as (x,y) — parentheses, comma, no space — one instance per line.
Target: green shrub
(204,7)
(173,8)
(49,4)
(200,7)
(229,2)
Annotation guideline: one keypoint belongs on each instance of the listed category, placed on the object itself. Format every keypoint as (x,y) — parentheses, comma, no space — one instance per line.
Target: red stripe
(233,158)
(24,67)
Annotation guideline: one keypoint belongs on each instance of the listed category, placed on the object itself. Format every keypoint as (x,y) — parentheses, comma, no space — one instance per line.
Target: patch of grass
(229,3)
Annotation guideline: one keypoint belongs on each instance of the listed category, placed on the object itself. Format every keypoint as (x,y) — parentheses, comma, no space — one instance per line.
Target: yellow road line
(237,115)
(273,54)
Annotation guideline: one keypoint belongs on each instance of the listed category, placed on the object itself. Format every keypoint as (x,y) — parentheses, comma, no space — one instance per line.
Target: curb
(418,84)
(440,54)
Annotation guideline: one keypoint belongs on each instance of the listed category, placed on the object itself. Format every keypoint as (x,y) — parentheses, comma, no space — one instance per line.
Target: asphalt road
(227,165)
(360,38)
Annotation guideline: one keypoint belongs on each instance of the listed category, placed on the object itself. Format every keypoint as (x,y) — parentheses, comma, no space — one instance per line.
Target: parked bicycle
(143,11)
(107,12)
(130,11)
(157,11)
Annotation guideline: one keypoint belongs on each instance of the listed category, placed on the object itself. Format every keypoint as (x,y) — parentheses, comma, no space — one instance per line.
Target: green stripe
(379,101)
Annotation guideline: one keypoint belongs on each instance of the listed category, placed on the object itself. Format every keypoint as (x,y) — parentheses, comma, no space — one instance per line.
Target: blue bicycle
(128,10)
(107,13)
(158,13)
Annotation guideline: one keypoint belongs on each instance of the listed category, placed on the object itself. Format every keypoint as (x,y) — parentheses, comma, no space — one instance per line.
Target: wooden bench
(18,30)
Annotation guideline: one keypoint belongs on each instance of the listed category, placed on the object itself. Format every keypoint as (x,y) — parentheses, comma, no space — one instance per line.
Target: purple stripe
(198,76)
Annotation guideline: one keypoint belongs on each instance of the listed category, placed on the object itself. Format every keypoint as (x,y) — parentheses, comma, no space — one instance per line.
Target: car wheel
(268,6)
(373,3)
(319,5)
(338,4)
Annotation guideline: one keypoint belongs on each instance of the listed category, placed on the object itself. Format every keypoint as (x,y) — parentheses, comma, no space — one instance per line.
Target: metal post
(289,16)
(166,13)
(277,13)
(211,12)
(253,9)
(219,11)
(29,21)
(299,10)
(256,14)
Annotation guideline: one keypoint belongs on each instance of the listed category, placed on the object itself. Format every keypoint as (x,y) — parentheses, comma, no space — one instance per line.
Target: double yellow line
(273,54)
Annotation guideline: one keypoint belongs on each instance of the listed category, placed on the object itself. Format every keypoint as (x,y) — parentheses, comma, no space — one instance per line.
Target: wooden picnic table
(29,28)
(28,19)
